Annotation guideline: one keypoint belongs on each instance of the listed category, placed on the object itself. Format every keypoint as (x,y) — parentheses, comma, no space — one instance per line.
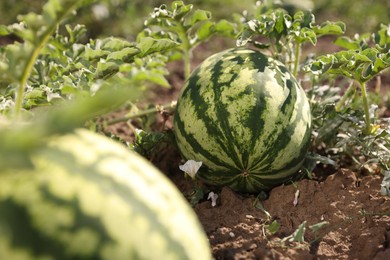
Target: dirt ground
(238,227)
(358,225)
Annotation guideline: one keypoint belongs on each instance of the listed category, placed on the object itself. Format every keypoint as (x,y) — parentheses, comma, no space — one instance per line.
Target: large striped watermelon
(243,115)
(90,198)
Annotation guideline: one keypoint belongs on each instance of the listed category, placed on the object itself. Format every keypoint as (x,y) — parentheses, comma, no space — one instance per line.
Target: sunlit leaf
(273,227)
(106,69)
(318,226)
(179,9)
(115,44)
(196,16)
(299,234)
(330,28)
(226,28)
(148,45)
(4,30)
(205,30)
(347,43)
(126,54)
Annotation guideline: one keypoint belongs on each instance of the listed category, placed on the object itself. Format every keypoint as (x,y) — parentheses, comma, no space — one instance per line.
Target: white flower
(213,198)
(191,167)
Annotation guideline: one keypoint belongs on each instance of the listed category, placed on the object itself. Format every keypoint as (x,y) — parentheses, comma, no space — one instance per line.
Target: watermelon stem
(349,93)
(187,64)
(366,107)
(156,109)
(296,61)
(186,47)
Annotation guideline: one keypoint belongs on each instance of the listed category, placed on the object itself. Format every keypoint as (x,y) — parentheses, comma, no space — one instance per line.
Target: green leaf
(105,70)
(330,28)
(381,64)
(303,20)
(306,34)
(273,227)
(76,32)
(148,45)
(314,228)
(245,36)
(180,10)
(226,28)
(347,43)
(154,77)
(205,30)
(299,233)
(382,37)
(196,196)
(196,16)
(146,141)
(4,30)
(317,158)
(95,54)
(279,21)
(115,44)
(321,65)
(35,94)
(126,54)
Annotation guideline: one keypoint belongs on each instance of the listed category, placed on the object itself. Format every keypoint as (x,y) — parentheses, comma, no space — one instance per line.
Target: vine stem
(155,109)
(350,90)
(366,107)
(296,61)
(187,64)
(186,47)
(26,74)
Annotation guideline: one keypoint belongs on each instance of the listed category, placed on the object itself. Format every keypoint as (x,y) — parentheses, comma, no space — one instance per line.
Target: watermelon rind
(246,118)
(87,197)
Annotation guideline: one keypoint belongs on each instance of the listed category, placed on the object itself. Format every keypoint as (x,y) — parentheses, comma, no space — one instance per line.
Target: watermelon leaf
(285,34)
(185,25)
(273,227)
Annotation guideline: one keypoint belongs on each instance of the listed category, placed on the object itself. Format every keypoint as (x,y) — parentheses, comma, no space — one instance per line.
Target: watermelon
(87,197)
(246,118)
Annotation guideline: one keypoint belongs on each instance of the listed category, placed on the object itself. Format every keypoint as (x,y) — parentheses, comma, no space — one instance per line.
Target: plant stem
(187,64)
(351,89)
(155,109)
(296,61)
(186,47)
(366,107)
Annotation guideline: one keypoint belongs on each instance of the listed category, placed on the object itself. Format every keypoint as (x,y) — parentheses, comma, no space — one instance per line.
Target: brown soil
(352,206)
(358,216)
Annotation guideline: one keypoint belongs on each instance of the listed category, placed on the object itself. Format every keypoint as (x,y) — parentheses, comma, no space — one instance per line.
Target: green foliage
(82,80)
(49,66)
(360,61)
(150,144)
(186,26)
(284,33)
(337,119)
